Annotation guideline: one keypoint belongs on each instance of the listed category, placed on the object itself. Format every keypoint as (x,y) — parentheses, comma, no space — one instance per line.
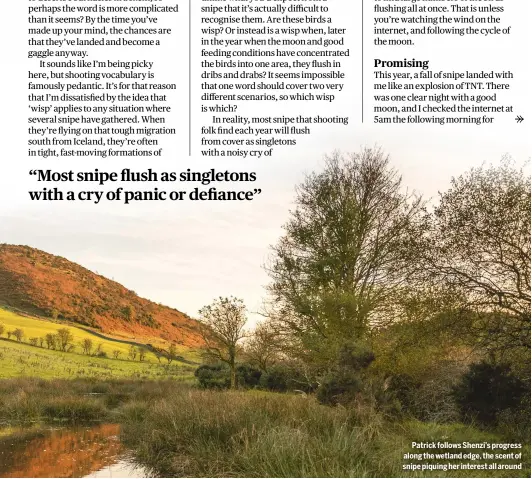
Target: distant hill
(42,284)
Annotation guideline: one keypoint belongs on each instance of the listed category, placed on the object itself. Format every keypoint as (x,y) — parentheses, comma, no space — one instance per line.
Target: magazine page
(265,238)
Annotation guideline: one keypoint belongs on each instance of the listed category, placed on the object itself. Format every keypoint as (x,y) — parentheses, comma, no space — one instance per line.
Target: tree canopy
(345,259)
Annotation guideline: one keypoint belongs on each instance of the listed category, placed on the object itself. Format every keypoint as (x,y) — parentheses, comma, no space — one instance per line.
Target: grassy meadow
(20,359)
(23,360)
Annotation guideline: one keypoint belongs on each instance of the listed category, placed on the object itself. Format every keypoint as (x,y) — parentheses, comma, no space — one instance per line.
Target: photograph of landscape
(392,340)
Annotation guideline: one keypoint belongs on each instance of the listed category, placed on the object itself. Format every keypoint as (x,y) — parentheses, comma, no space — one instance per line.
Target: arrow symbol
(519,119)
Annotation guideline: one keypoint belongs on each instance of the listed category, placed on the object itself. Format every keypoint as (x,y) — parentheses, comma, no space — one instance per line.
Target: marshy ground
(174,429)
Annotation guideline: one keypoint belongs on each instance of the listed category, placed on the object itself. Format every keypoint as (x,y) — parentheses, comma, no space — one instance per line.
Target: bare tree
(50,341)
(116,353)
(222,328)
(158,354)
(2,329)
(63,338)
(171,354)
(132,353)
(142,354)
(86,346)
(479,246)
(19,334)
(264,346)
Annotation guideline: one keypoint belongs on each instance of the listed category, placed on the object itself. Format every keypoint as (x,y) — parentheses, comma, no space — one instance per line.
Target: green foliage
(215,376)
(87,345)
(129,313)
(344,381)
(222,329)
(247,376)
(427,394)
(355,357)
(265,346)
(218,376)
(404,388)
(64,338)
(339,388)
(487,390)
(283,378)
(18,334)
(344,262)
(132,352)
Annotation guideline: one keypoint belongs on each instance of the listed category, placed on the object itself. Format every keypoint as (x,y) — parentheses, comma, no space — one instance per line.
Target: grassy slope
(45,285)
(37,328)
(23,360)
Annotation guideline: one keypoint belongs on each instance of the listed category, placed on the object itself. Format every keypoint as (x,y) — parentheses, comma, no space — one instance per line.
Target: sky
(186,254)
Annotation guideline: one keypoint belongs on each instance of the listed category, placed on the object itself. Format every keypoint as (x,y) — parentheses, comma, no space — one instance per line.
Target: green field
(20,359)
(37,328)
(23,360)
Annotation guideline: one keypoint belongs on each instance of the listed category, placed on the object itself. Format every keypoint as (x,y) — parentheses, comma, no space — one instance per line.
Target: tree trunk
(233,373)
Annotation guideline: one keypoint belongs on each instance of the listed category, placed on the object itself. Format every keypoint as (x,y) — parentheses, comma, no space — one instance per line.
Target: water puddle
(90,451)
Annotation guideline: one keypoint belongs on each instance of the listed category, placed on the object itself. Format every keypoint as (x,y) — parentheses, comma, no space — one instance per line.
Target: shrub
(355,357)
(19,334)
(282,378)
(487,390)
(404,388)
(218,376)
(276,379)
(247,376)
(215,376)
(339,388)
(343,383)
(427,395)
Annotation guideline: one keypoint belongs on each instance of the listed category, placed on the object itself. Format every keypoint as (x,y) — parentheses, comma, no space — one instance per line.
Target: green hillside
(24,358)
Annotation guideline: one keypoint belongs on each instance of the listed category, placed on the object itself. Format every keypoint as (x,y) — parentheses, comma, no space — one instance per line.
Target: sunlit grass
(21,360)
(38,328)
